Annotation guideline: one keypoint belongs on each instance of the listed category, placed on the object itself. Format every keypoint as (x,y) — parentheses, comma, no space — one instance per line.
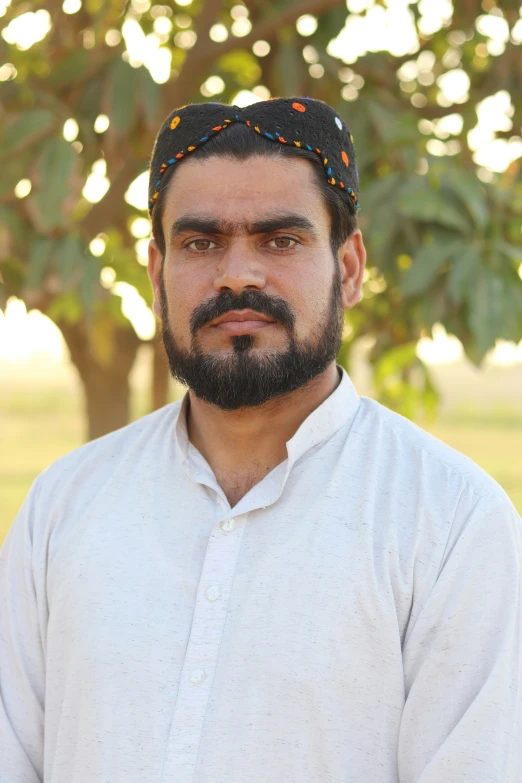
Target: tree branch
(269,26)
(104,212)
(176,93)
(194,68)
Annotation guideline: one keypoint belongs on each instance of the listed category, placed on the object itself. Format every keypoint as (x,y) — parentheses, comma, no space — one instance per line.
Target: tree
(443,244)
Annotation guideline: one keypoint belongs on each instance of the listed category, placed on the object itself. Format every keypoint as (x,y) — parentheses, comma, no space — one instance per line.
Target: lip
(241,315)
(242,327)
(242,322)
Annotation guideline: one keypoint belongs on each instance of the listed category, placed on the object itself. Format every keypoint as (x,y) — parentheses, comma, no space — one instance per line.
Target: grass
(34,431)
(38,427)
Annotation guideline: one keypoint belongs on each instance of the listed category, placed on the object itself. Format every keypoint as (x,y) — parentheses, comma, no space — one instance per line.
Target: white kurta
(355,618)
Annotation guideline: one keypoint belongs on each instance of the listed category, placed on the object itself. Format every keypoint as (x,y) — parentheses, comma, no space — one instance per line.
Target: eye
(200,245)
(282,242)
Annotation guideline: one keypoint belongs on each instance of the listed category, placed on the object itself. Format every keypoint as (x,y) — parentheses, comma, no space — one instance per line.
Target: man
(274,579)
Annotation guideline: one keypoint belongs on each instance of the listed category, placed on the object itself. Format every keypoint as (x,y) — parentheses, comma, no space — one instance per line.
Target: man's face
(251,235)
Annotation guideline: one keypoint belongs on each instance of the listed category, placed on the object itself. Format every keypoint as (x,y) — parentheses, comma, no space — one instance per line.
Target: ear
(352,258)
(154,269)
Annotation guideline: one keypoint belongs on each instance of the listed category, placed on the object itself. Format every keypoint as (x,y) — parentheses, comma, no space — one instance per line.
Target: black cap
(302,122)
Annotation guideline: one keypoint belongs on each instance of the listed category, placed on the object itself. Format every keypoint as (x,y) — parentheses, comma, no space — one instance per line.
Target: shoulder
(102,456)
(114,466)
(406,447)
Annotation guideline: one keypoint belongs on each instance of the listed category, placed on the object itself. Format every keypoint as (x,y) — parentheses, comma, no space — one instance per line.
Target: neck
(233,440)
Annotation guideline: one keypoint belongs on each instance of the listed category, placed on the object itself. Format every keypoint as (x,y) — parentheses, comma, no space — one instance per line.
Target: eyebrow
(204,225)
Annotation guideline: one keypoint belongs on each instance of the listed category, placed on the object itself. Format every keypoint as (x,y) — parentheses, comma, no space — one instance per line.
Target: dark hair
(239,142)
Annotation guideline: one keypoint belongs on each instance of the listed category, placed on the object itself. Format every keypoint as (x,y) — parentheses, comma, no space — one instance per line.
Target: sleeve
(462,719)
(22,660)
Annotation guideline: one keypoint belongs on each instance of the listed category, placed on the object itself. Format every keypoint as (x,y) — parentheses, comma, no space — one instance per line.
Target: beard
(245,378)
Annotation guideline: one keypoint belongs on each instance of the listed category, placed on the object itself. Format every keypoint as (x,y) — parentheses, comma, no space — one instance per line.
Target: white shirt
(355,618)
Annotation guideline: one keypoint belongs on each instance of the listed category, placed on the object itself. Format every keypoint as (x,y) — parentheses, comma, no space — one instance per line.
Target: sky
(369,27)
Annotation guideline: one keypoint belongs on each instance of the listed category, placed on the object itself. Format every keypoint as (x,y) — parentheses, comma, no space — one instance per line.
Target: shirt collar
(337,410)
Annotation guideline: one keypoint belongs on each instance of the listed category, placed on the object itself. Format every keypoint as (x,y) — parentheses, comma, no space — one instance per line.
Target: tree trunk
(160,374)
(105,382)
(107,400)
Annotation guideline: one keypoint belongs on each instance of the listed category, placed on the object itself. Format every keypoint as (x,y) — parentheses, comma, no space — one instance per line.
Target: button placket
(198,675)
(213,593)
(202,651)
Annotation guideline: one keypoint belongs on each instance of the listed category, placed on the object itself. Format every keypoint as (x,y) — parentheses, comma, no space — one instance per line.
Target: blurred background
(431,91)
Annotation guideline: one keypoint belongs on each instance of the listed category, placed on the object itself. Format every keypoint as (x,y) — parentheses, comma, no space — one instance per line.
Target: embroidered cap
(301,122)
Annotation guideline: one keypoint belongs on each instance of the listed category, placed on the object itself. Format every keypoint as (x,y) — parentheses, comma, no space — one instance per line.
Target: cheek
(185,289)
(308,292)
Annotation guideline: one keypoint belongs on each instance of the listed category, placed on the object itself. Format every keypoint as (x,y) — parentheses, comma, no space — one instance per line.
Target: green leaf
(426,265)
(384,230)
(383,120)
(12,278)
(395,359)
(89,286)
(486,303)
(69,258)
(13,170)
(463,272)
(289,67)
(12,223)
(54,169)
(24,129)
(344,355)
(66,307)
(122,95)
(403,382)
(330,23)
(470,192)
(70,68)
(431,206)
(149,96)
(513,252)
(381,190)
(512,309)
(242,66)
(89,102)
(390,126)
(40,260)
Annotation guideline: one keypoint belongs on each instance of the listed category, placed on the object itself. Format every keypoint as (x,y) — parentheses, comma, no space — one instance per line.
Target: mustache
(272,306)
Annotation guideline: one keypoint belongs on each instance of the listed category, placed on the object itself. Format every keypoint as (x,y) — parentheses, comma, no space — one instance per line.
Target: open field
(40,422)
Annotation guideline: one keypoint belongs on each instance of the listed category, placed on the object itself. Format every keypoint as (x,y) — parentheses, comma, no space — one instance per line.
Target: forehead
(245,189)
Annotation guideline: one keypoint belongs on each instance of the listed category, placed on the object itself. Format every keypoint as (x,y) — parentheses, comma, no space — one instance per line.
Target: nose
(238,269)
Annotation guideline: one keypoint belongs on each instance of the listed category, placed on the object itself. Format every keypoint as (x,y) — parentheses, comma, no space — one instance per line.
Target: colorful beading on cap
(179,136)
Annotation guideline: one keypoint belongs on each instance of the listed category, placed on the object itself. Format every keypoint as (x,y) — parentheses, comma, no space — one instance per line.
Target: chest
(282,625)
(293,579)
(237,483)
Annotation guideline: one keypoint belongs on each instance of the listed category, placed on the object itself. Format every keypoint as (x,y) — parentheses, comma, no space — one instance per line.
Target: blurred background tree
(424,87)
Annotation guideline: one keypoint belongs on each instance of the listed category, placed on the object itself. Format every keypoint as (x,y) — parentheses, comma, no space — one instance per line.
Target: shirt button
(227,525)
(213,593)
(198,675)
